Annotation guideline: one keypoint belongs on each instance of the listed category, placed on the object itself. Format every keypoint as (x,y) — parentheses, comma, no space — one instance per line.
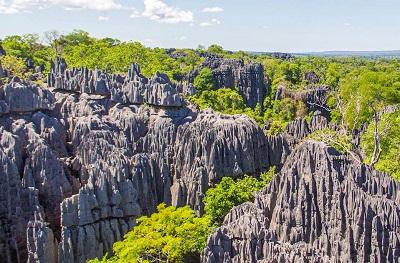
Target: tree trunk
(376,154)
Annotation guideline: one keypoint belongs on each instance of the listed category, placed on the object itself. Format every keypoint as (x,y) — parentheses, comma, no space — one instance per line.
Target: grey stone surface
(311,77)
(26,97)
(253,85)
(79,163)
(315,97)
(131,89)
(321,207)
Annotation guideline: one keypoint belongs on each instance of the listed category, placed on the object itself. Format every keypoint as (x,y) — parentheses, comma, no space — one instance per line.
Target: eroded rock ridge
(82,159)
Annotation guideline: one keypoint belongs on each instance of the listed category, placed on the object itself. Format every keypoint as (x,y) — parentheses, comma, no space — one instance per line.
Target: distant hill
(370,54)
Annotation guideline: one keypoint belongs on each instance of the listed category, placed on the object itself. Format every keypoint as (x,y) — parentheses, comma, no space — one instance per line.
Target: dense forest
(363,98)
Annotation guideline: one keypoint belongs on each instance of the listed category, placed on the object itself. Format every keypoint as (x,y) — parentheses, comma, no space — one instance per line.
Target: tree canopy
(171,235)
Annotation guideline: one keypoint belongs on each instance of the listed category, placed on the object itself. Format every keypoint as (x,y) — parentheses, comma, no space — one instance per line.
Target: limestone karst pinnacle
(321,207)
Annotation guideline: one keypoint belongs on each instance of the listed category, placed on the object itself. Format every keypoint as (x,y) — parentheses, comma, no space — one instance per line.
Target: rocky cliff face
(321,207)
(253,85)
(314,97)
(79,162)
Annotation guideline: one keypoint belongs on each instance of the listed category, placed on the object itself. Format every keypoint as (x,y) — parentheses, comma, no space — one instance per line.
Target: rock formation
(253,85)
(311,77)
(315,97)
(2,51)
(321,207)
(81,160)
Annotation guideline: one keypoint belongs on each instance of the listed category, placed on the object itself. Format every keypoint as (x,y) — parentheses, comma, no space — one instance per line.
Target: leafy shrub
(205,80)
(227,101)
(229,193)
(339,141)
(170,235)
(13,64)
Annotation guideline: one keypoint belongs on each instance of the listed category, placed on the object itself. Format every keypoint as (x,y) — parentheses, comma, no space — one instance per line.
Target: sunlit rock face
(321,207)
(82,159)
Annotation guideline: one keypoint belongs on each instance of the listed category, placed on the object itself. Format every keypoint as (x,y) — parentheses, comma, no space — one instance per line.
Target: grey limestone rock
(42,245)
(2,51)
(161,92)
(253,85)
(132,89)
(311,77)
(315,97)
(321,207)
(26,97)
(213,146)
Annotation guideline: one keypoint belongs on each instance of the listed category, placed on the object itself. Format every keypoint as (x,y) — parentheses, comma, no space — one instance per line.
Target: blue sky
(256,25)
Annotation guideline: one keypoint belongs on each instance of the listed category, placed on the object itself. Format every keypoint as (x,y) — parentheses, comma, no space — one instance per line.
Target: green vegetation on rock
(229,193)
(171,235)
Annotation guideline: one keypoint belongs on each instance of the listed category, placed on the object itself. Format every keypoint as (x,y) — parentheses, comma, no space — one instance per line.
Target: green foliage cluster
(14,65)
(389,131)
(205,80)
(227,101)
(338,140)
(229,193)
(281,112)
(170,235)
(28,46)
(365,92)
(106,55)
(81,50)
(176,234)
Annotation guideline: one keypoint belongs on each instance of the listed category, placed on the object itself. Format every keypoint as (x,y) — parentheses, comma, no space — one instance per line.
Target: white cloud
(135,13)
(159,11)
(18,6)
(8,8)
(213,10)
(183,38)
(103,18)
(212,22)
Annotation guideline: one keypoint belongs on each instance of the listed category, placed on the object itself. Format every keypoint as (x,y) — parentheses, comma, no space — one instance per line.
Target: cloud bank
(213,10)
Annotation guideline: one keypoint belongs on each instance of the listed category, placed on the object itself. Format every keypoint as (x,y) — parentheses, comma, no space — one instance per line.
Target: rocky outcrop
(3,72)
(82,159)
(211,147)
(311,77)
(2,51)
(19,97)
(280,55)
(250,80)
(321,207)
(315,98)
(132,89)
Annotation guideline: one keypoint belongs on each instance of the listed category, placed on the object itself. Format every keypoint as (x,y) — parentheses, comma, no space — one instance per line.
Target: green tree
(16,46)
(77,37)
(389,134)
(14,65)
(365,93)
(170,235)
(216,49)
(229,193)
(205,80)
